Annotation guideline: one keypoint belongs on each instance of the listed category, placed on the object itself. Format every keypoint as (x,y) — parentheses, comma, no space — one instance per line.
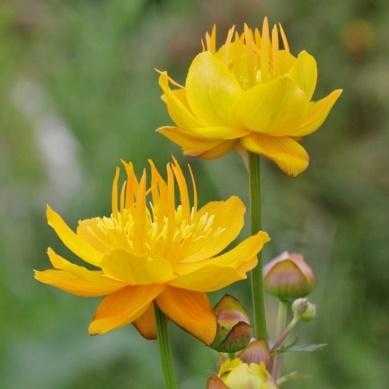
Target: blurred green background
(78,92)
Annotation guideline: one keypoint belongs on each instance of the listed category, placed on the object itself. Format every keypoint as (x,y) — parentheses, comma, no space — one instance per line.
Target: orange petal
(74,242)
(123,307)
(208,279)
(190,310)
(132,270)
(287,153)
(76,279)
(228,215)
(218,272)
(146,324)
(242,253)
(89,231)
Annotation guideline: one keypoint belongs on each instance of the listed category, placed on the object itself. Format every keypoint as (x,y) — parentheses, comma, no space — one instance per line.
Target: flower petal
(273,108)
(287,153)
(304,72)
(191,145)
(242,253)
(123,307)
(228,215)
(211,90)
(208,279)
(219,150)
(176,104)
(74,242)
(219,132)
(89,231)
(317,114)
(190,310)
(285,61)
(146,324)
(76,279)
(218,272)
(124,266)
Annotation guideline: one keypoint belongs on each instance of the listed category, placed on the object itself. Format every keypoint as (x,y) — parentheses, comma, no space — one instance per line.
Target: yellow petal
(219,150)
(190,310)
(211,90)
(176,104)
(317,114)
(74,242)
(75,279)
(244,252)
(228,215)
(219,132)
(218,272)
(304,72)
(146,324)
(287,153)
(124,266)
(89,231)
(123,307)
(191,145)
(210,278)
(273,108)
(285,61)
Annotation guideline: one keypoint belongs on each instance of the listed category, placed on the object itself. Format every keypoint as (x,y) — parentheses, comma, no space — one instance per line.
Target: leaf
(294,376)
(293,347)
(308,347)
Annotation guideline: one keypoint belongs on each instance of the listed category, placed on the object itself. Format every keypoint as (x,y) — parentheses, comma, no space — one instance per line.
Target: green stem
(164,350)
(282,317)
(257,294)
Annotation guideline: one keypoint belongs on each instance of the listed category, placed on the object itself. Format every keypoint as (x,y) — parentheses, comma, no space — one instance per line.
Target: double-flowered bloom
(250,93)
(156,247)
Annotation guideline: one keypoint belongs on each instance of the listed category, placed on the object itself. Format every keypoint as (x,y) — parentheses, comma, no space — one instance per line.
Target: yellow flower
(150,250)
(235,374)
(249,93)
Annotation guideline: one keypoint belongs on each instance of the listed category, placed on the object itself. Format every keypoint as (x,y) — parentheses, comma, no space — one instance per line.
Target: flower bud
(233,325)
(257,352)
(303,309)
(288,276)
(235,374)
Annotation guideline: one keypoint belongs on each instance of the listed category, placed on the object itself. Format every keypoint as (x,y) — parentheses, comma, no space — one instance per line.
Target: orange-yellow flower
(149,250)
(248,93)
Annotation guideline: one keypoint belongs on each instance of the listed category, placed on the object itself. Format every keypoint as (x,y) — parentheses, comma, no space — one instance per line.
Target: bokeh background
(78,91)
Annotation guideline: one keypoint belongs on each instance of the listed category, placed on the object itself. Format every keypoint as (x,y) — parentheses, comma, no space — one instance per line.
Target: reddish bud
(288,276)
(234,328)
(257,352)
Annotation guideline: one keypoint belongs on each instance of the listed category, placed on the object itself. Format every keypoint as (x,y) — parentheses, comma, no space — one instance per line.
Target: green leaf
(293,347)
(294,376)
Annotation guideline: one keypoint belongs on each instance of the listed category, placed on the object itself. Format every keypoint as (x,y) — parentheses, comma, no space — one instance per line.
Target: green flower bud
(303,309)
(288,276)
(233,325)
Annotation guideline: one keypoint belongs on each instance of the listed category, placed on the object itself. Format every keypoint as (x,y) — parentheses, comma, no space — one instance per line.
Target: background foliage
(78,92)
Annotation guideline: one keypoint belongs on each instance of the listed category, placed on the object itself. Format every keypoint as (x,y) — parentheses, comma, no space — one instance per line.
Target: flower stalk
(165,350)
(282,317)
(257,292)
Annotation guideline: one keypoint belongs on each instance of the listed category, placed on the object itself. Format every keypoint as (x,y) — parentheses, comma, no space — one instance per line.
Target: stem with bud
(282,317)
